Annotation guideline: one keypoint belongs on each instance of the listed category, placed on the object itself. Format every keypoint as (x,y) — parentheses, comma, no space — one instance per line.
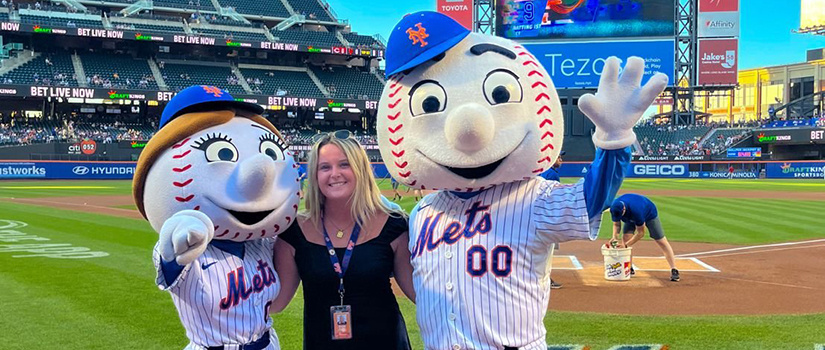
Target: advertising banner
(658,170)
(459,10)
(670,158)
(165,96)
(749,152)
(580,64)
(577,19)
(184,39)
(717,62)
(723,175)
(67,170)
(799,136)
(718,24)
(796,170)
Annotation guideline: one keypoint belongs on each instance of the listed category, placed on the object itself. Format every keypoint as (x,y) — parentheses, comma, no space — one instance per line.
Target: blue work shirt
(638,209)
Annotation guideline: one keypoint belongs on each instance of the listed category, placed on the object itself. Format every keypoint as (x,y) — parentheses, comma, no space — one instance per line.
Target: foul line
(37,201)
(749,247)
(764,251)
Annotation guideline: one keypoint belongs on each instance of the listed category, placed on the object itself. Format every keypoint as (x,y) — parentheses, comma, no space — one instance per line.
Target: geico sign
(659,169)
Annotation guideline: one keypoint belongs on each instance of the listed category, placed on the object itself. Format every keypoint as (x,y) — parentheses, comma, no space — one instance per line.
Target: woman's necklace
(340,233)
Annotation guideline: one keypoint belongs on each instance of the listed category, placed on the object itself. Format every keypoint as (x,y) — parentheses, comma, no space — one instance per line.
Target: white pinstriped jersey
(223,299)
(482,265)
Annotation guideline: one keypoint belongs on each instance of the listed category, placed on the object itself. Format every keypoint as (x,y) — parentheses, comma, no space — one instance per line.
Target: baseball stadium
(734,159)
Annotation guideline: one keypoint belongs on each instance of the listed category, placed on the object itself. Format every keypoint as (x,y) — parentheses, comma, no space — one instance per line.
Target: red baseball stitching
(249,236)
(542,94)
(184,154)
(223,234)
(185,199)
(538,171)
(182,184)
(180,170)
(399,162)
(396,128)
(277,228)
(179,145)
(263,233)
(236,235)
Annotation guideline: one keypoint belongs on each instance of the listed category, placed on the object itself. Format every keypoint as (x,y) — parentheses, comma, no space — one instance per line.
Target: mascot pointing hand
(216,181)
(476,118)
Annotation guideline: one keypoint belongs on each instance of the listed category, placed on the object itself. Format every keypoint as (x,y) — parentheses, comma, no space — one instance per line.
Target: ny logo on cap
(212,90)
(418,36)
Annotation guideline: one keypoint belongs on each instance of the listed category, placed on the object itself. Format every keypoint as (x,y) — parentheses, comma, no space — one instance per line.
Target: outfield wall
(14,169)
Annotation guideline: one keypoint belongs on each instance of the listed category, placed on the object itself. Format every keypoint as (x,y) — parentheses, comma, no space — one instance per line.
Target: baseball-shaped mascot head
(218,156)
(464,111)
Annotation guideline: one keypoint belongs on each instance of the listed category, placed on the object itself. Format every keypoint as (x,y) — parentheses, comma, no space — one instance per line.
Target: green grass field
(111,302)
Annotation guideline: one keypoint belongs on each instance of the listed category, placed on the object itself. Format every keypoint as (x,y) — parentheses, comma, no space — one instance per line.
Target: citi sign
(659,169)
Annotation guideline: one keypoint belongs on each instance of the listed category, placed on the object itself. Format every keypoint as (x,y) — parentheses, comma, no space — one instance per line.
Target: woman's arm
(402,266)
(287,270)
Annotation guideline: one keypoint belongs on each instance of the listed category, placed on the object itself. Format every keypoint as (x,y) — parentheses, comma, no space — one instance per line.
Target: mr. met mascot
(476,117)
(218,184)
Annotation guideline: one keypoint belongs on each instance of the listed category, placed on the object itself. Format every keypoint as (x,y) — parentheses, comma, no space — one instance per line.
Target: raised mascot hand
(620,102)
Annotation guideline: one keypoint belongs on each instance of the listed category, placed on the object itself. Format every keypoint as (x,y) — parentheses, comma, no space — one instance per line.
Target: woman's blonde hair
(366,197)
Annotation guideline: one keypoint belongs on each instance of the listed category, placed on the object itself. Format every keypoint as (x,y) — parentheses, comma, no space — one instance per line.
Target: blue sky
(766,38)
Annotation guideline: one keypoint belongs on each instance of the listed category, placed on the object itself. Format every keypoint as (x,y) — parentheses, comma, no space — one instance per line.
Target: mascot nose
(470,128)
(256,176)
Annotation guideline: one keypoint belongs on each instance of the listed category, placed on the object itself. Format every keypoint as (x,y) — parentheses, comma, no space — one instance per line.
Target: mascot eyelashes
(218,184)
(476,118)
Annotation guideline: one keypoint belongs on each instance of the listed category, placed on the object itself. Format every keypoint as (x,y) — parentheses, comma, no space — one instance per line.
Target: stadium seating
(230,22)
(307,37)
(358,39)
(130,71)
(4,17)
(272,8)
(293,83)
(202,5)
(224,34)
(311,8)
(180,76)
(45,20)
(349,83)
(61,65)
(667,137)
(148,28)
(795,123)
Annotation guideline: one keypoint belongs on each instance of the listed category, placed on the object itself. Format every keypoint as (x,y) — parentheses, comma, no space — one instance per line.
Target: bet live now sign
(580,64)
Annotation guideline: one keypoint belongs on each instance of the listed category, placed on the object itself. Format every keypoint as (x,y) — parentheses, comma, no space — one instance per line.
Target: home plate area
(649,270)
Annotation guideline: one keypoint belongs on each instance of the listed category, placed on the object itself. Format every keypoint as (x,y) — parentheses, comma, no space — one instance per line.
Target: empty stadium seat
(307,37)
(310,8)
(350,83)
(272,8)
(60,64)
(293,83)
(180,76)
(130,71)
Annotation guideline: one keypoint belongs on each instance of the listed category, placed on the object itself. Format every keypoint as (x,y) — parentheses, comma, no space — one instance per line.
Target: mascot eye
(427,97)
(502,86)
(272,147)
(217,148)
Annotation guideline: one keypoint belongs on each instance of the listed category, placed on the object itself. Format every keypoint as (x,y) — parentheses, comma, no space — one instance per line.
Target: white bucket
(616,263)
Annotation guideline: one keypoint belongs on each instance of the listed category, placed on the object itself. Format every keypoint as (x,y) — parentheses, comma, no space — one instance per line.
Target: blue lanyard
(341,268)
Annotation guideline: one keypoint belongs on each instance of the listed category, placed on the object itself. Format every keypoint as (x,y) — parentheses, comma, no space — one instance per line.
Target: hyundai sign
(580,64)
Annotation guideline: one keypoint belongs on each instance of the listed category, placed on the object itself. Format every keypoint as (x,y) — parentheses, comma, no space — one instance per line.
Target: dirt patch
(767,280)
(773,279)
(810,196)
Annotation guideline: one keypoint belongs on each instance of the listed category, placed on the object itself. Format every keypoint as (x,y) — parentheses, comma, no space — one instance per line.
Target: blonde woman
(345,247)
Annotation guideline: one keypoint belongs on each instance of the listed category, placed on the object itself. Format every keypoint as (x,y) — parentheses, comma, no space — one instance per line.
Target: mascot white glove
(620,102)
(184,236)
